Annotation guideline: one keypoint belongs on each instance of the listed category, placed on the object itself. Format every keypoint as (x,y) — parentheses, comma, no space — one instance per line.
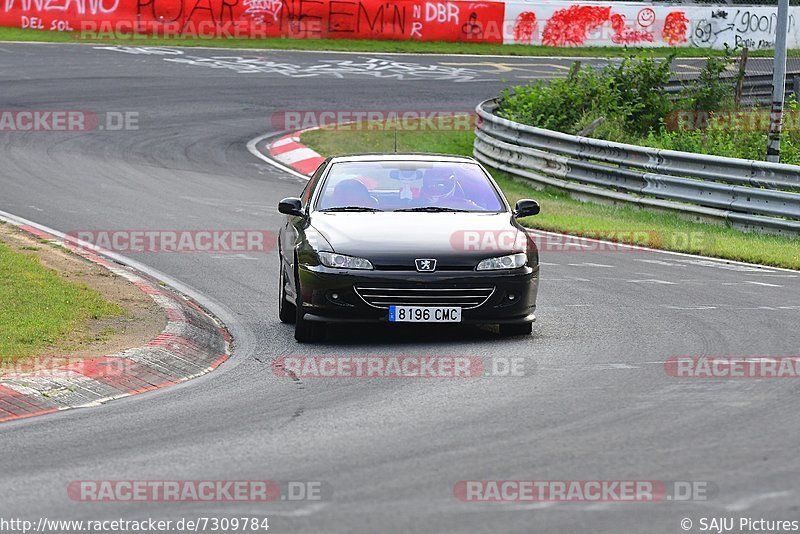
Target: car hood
(396,239)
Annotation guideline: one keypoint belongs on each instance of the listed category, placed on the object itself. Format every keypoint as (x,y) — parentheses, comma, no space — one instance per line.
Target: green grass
(39,309)
(564,214)
(350,45)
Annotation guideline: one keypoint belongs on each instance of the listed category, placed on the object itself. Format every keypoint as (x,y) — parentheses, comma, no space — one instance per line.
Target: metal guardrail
(743,193)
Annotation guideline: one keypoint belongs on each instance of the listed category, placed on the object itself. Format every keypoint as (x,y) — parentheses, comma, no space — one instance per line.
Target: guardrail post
(573,70)
(778,83)
(796,87)
(740,80)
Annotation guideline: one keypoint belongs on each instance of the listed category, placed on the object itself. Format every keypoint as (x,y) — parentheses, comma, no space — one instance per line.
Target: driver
(438,184)
(440,188)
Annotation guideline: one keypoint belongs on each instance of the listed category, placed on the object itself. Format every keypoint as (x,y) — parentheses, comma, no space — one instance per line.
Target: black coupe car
(405,238)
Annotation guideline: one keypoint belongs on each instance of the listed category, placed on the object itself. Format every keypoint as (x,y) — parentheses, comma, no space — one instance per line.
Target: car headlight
(340,261)
(512,261)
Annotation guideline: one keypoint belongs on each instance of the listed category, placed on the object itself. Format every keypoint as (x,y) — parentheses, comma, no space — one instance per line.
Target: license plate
(424,314)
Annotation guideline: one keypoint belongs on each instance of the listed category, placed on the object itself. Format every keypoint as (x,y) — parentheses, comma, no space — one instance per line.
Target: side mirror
(291,206)
(526,208)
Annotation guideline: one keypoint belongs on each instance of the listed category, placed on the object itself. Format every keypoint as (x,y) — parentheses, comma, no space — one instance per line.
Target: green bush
(638,95)
(632,91)
(573,98)
(630,96)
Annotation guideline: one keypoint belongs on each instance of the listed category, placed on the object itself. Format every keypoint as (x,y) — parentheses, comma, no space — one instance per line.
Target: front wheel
(286,310)
(305,331)
(516,329)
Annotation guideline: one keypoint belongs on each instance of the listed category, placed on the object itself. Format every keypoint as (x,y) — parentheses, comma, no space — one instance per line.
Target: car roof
(392,156)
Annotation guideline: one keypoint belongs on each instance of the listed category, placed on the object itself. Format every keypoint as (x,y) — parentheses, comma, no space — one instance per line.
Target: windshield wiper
(351,208)
(433,209)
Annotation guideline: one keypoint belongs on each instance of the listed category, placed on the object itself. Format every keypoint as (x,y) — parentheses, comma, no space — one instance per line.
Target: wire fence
(750,79)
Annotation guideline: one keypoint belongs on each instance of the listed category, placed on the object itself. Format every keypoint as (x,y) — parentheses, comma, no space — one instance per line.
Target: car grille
(383,297)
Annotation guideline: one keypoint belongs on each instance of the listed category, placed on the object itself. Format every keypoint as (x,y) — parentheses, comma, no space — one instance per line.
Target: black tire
(516,329)
(286,310)
(305,331)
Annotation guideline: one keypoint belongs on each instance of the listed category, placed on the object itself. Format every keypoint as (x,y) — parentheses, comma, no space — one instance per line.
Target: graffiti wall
(343,19)
(637,24)
(552,23)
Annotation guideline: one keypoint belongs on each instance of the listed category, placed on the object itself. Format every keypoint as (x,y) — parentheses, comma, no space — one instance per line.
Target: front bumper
(329,295)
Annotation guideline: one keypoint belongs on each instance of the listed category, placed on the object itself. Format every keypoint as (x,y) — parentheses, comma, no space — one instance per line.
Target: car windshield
(408,186)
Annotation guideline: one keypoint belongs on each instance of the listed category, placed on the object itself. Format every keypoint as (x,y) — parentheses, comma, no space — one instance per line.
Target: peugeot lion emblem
(426,265)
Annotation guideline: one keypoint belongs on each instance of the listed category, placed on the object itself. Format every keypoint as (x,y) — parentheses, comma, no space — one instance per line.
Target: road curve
(595,402)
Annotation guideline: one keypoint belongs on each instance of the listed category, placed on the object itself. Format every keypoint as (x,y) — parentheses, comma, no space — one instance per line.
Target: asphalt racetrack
(594,403)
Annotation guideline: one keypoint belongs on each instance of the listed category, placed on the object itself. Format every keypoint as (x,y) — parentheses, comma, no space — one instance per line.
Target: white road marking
(238,256)
(725,307)
(769,308)
(592,367)
(509,66)
(720,265)
(747,502)
(590,265)
(691,307)
(660,262)
(517,507)
(652,281)
(761,284)
(305,511)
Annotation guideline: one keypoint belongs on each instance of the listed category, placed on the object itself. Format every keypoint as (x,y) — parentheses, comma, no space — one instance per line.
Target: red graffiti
(426,20)
(624,35)
(675,27)
(570,27)
(646,17)
(524,27)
